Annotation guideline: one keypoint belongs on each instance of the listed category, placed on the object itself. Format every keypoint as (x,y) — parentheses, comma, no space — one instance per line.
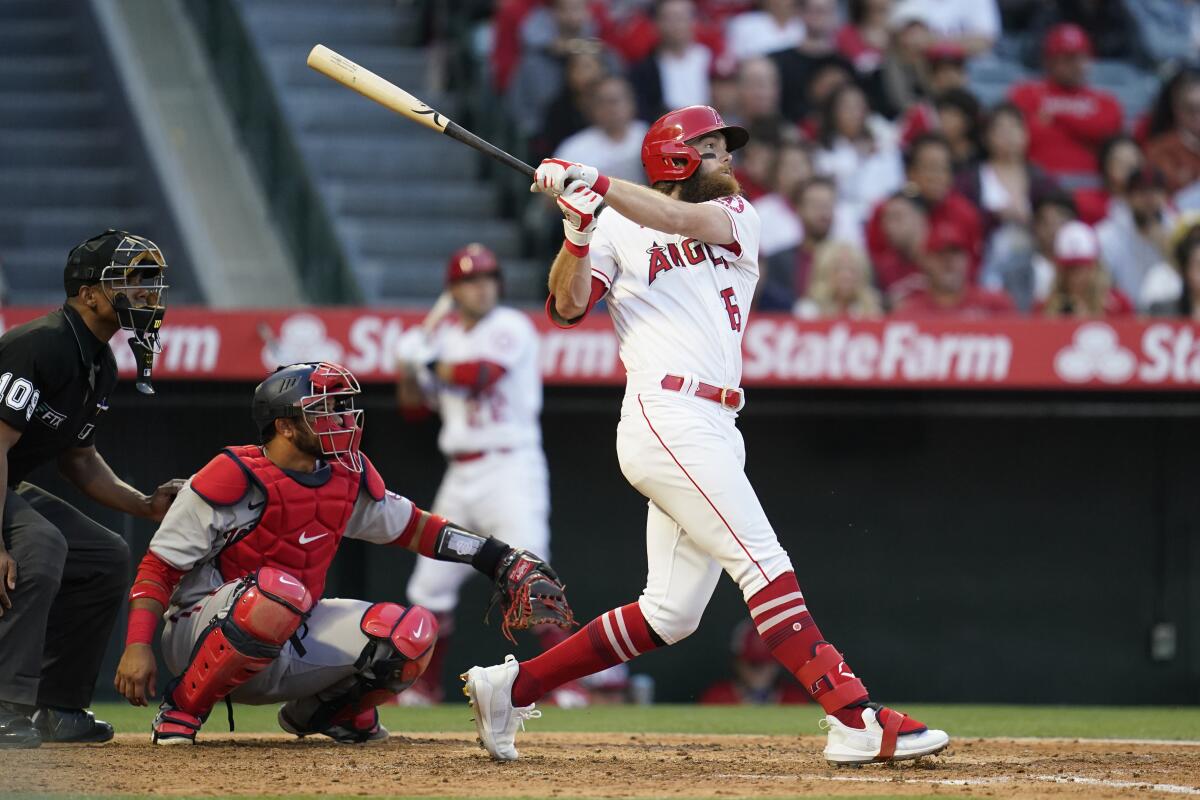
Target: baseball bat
(389,95)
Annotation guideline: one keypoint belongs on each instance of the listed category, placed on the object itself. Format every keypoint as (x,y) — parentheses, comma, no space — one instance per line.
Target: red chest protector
(301,526)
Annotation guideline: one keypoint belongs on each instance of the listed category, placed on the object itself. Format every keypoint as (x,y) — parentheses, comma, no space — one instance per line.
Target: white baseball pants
(687,457)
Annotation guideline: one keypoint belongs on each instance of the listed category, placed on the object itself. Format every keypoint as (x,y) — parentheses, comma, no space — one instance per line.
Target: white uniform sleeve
(192,529)
(747,230)
(379,521)
(603,253)
(509,338)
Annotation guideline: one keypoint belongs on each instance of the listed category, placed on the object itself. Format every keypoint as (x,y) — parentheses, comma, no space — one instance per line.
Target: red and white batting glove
(553,175)
(578,204)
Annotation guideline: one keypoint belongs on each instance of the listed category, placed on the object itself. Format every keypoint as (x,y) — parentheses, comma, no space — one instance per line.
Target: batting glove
(551,176)
(579,204)
(589,175)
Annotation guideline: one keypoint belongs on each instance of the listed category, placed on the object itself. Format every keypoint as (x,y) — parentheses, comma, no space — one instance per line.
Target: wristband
(601,185)
(488,559)
(142,625)
(577,250)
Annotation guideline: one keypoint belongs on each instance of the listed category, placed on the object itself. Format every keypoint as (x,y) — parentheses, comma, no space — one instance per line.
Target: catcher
(239,564)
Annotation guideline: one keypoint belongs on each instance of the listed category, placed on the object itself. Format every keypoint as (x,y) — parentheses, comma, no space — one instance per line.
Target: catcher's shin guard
(264,614)
(400,644)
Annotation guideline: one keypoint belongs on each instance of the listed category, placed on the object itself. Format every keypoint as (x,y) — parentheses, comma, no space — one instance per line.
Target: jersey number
(19,394)
(485,409)
(731,308)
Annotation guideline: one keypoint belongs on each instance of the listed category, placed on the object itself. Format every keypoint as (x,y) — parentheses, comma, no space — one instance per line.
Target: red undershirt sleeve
(599,289)
(476,375)
(155,580)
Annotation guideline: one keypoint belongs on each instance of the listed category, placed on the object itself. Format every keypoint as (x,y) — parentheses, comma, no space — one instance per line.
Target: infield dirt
(567,765)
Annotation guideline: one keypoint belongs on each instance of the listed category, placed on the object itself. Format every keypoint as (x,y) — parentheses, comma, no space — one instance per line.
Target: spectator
(782,231)
(1135,241)
(827,76)
(547,35)
(758,679)
(905,73)
(973,25)
(958,119)
(1067,119)
(583,66)
(1020,260)
(930,183)
(1187,260)
(613,142)
(896,239)
(676,75)
(787,273)
(755,164)
(1005,186)
(944,288)
(864,39)
(858,150)
(796,64)
(840,285)
(757,92)
(1176,152)
(947,86)
(947,67)
(1107,23)
(775,26)
(1081,288)
(1119,157)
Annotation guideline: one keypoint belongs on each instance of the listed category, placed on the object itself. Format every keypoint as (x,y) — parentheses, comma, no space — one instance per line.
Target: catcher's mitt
(529,593)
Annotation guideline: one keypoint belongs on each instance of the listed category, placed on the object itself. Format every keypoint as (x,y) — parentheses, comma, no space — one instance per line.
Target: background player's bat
(387,94)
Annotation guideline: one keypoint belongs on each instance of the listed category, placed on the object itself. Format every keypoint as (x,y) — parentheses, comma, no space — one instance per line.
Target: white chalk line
(1167,788)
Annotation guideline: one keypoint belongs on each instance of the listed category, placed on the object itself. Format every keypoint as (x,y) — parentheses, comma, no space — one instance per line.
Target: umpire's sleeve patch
(221,482)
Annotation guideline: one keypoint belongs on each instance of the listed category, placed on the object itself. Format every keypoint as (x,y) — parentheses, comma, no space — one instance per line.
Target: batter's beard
(700,187)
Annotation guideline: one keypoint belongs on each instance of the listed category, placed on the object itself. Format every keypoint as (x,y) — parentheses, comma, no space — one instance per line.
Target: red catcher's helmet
(466,262)
(666,141)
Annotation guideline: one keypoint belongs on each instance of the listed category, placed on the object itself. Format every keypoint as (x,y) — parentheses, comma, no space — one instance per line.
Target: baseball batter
(239,566)
(476,363)
(678,263)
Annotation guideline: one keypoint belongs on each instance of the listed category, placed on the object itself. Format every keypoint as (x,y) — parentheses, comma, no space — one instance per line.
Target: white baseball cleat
(496,719)
(846,745)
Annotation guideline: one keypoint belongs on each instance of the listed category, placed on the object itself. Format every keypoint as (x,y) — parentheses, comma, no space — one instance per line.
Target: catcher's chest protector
(301,526)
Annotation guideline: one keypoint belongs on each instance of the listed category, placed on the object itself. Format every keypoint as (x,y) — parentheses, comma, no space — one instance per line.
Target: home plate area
(599,765)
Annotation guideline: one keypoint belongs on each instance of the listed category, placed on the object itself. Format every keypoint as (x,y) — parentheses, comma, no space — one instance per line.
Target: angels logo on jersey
(733,201)
(689,252)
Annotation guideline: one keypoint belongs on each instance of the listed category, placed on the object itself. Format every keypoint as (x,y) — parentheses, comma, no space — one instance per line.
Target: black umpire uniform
(72,573)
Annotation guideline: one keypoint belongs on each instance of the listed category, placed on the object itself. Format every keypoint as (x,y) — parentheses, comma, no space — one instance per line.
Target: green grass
(428,797)
(1102,722)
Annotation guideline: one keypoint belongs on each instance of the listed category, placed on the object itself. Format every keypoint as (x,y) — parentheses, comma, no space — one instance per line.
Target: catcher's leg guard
(237,645)
(400,644)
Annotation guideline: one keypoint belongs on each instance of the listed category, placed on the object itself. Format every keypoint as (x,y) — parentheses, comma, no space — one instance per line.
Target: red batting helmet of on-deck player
(666,142)
(466,262)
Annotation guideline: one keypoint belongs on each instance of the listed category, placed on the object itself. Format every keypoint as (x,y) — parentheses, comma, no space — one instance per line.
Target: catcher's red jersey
(300,526)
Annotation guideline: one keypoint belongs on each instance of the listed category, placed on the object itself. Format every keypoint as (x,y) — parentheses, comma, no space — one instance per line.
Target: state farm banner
(200,343)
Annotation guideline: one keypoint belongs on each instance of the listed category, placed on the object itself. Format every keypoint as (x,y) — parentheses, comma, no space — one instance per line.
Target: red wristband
(601,185)
(143,623)
(577,250)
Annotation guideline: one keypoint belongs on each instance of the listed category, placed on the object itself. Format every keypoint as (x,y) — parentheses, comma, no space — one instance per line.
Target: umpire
(63,576)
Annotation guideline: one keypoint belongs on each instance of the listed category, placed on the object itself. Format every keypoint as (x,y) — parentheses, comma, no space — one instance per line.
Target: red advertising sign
(204,344)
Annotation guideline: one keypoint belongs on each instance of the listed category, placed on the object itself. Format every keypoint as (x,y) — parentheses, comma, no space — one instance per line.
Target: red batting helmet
(466,262)
(666,141)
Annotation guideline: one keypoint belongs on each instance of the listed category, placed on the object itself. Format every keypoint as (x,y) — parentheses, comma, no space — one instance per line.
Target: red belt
(459,458)
(729,398)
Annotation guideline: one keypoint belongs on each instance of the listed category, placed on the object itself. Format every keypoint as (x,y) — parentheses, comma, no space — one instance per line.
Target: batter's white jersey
(679,305)
(505,415)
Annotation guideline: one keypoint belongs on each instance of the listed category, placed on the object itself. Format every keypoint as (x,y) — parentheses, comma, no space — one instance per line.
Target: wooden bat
(389,95)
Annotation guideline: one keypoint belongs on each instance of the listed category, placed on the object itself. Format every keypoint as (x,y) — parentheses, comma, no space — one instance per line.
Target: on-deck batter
(476,363)
(678,264)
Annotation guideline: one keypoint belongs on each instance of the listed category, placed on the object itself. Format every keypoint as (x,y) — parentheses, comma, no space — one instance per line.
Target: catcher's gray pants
(72,574)
(331,639)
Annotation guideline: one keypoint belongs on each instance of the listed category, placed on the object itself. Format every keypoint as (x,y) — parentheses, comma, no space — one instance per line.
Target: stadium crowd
(884,183)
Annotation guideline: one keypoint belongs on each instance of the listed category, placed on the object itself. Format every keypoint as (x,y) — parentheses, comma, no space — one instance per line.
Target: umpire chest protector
(301,524)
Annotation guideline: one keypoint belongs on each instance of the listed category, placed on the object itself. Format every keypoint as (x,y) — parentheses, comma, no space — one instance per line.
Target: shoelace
(528,712)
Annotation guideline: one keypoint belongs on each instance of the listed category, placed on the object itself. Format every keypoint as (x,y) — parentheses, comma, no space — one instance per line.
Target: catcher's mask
(131,272)
(321,394)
